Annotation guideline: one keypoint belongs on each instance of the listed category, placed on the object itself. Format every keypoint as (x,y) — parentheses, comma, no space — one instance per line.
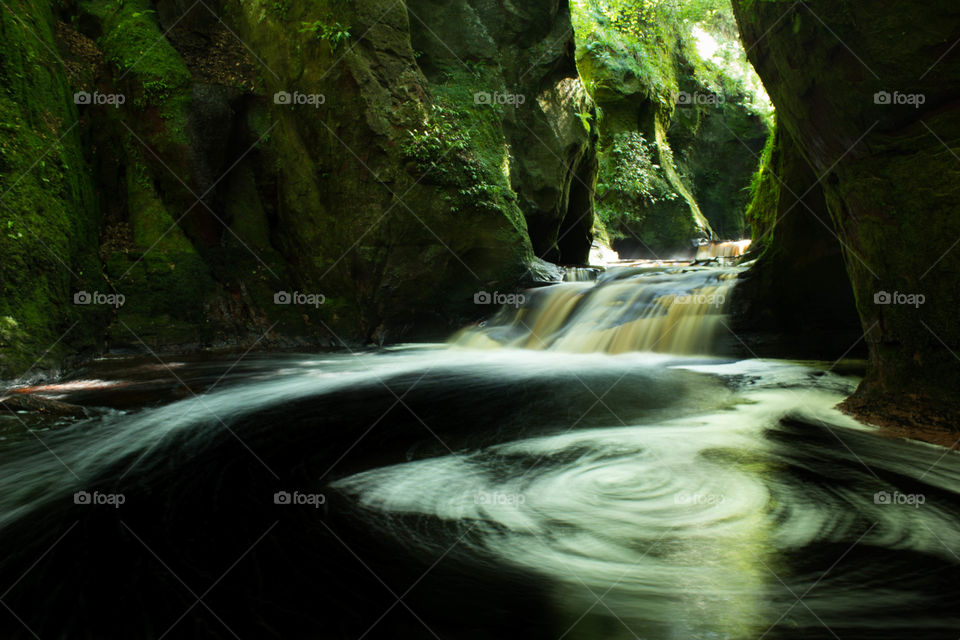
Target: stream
(537,477)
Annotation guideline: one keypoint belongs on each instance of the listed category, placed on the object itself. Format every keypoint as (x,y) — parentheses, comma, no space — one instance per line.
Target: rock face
(718,146)
(48,207)
(223,153)
(870,98)
(796,300)
(517,60)
(675,153)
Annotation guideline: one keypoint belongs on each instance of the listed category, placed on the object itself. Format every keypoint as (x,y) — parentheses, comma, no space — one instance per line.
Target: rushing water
(624,310)
(478,493)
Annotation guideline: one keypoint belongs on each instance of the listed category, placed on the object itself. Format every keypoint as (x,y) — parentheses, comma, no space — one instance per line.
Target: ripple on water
(707,524)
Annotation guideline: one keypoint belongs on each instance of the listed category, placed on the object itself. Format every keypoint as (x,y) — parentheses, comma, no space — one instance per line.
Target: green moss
(892,181)
(462,150)
(47,205)
(700,119)
(761,213)
(133,42)
(146,67)
(153,227)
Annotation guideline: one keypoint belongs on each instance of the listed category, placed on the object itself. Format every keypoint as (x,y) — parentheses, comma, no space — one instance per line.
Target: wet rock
(39,404)
(870,96)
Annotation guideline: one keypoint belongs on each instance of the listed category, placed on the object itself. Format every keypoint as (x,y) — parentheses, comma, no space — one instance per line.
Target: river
(579,467)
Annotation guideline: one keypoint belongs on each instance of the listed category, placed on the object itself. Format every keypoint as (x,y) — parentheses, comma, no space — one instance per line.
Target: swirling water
(772,516)
(476,494)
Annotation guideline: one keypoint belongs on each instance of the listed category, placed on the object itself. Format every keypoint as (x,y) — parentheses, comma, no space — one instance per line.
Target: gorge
(479,319)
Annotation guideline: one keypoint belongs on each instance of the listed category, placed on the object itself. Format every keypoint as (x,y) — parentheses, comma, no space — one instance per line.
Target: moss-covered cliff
(48,206)
(219,154)
(869,97)
(680,125)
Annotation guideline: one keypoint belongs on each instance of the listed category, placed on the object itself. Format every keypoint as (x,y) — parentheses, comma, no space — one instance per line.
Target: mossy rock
(869,95)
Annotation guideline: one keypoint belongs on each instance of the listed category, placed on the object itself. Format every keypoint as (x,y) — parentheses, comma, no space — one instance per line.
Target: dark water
(462,494)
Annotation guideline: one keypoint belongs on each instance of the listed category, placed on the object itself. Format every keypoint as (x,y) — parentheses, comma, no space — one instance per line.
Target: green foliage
(639,38)
(638,58)
(585,118)
(646,19)
(438,137)
(444,147)
(333,32)
(47,215)
(154,92)
(661,43)
(632,170)
(13,233)
(764,190)
(631,181)
(281,8)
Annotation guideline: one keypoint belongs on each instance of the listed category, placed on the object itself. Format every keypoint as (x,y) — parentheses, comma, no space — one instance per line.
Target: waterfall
(581,274)
(722,250)
(626,309)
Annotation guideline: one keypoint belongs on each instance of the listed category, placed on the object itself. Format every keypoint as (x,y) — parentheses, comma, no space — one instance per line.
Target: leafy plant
(281,8)
(334,33)
(438,137)
(155,91)
(11,233)
(585,119)
(444,149)
(633,171)
(631,181)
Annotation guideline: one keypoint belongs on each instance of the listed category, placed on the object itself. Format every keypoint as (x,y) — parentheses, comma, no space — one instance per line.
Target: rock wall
(519,57)
(48,207)
(869,94)
(795,300)
(675,153)
(223,153)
